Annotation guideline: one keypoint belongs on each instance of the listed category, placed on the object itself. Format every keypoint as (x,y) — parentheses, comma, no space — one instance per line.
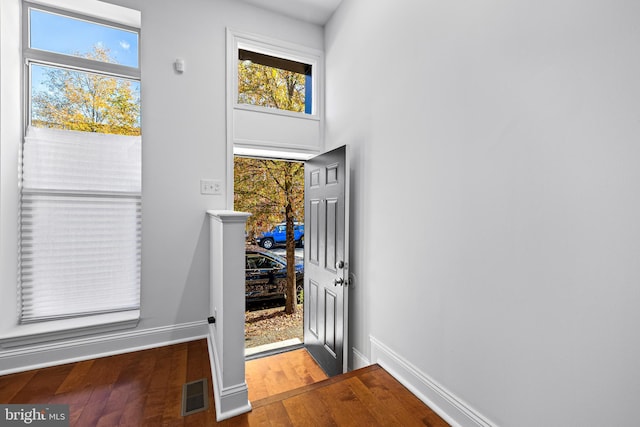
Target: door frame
(264,156)
(277,153)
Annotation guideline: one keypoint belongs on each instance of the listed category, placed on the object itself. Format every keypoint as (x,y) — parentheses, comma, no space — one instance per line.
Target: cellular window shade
(80,224)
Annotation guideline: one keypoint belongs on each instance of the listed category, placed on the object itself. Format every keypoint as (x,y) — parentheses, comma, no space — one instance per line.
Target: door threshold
(272,349)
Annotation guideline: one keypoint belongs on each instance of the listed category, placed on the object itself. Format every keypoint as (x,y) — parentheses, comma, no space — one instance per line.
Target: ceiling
(315,11)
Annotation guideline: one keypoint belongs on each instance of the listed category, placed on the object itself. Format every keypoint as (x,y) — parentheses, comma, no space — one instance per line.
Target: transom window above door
(273,82)
(274,76)
(274,96)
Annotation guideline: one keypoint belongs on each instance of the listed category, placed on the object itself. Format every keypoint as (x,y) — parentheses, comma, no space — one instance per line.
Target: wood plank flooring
(144,389)
(273,375)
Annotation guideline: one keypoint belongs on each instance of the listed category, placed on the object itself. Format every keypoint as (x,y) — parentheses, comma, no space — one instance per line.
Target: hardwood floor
(283,372)
(144,389)
(134,389)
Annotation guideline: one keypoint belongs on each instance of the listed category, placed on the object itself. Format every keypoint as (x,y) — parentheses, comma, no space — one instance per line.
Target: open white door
(326,254)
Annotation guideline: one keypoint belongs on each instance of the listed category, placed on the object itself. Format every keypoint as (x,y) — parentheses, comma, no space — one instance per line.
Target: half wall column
(226,308)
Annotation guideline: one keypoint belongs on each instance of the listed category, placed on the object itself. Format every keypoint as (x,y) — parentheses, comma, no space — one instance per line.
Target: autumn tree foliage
(273,191)
(270,87)
(76,100)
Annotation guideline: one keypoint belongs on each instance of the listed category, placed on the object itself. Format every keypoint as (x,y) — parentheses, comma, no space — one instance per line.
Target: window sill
(276,112)
(37,333)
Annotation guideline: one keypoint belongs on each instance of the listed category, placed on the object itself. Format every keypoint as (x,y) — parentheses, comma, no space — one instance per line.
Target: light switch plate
(211,186)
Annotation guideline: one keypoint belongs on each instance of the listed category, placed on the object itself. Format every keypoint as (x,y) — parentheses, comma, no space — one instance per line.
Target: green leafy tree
(272,190)
(87,102)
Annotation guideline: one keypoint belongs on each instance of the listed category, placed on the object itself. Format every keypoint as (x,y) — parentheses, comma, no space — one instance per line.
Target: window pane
(76,100)
(70,36)
(273,82)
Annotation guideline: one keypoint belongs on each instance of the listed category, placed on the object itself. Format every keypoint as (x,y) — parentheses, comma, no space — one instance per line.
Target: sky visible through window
(70,36)
(60,34)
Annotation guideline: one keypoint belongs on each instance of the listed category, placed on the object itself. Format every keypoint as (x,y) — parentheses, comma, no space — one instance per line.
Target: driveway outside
(299,252)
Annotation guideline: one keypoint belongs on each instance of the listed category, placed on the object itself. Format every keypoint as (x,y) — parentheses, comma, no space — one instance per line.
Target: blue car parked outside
(278,236)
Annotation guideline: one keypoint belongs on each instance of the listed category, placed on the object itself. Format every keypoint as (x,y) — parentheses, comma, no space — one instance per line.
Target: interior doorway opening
(272,190)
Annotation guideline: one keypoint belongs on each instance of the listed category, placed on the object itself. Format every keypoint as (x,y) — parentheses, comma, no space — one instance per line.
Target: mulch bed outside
(271,325)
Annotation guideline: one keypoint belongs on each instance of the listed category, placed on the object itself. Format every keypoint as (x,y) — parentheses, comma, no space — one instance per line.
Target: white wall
(496,198)
(184,140)
(184,135)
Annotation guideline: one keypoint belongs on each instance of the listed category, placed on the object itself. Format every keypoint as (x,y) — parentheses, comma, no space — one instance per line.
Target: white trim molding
(65,329)
(451,408)
(281,49)
(359,360)
(92,347)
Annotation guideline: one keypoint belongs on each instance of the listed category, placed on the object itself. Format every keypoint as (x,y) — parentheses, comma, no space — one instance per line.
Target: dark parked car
(266,275)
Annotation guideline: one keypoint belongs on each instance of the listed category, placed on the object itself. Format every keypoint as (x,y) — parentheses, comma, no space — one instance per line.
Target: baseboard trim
(359,359)
(91,347)
(451,408)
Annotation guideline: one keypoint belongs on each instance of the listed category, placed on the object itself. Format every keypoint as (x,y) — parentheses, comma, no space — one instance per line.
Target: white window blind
(80,225)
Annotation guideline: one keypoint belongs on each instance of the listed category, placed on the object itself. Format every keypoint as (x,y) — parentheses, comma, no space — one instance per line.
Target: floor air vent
(194,397)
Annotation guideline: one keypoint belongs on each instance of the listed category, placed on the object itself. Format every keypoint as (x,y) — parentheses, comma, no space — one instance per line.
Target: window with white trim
(274,96)
(274,82)
(274,76)
(80,195)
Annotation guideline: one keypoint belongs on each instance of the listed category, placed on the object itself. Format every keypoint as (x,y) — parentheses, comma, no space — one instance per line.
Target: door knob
(340,264)
(338,281)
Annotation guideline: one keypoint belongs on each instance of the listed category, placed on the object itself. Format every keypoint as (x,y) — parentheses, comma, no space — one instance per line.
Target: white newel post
(226,308)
